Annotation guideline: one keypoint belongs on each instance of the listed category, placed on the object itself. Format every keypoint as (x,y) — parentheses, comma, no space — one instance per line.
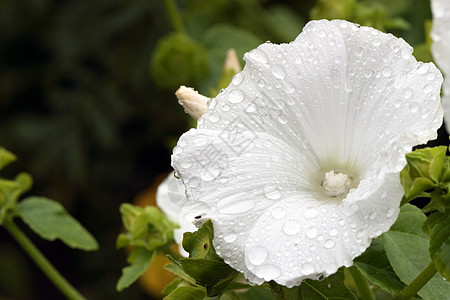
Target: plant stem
(418,283)
(174,15)
(362,284)
(55,277)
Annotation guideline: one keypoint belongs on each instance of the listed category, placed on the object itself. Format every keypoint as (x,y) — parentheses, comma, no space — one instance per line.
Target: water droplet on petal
(307,269)
(423,69)
(406,53)
(258,55)
(278,71)
(268,272)
(278,213)
(257,255)
(407,92)
(291,227)
(390,212)
(236,96)
(333,232)
(376,42)
(427,88)
(311,232)
(237,79)
(229,238)
(329,243)
(386,71)
(213,117)
(272,192)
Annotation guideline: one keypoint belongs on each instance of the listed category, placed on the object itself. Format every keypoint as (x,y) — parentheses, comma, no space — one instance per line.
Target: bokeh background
(87,104)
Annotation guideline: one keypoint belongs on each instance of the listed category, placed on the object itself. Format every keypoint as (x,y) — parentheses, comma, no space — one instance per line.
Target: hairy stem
(55,277)
(418,283)
(362,284)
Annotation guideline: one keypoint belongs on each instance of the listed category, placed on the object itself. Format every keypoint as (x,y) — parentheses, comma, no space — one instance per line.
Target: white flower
(170,197)
(297,161)
(440,48)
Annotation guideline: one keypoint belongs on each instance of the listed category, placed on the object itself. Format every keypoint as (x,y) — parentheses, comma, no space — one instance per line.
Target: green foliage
(368,13)
(375,266)
(437,226)
(179,60)
(139,260)
(332,287)
(199,243)
(147,231)
(406,247)
(51,221)
(425,175)
(145,227)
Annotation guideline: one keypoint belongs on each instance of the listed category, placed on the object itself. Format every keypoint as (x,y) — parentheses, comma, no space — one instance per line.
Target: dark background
(88,106)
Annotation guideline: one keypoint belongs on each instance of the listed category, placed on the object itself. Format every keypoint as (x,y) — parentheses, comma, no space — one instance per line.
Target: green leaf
(172,286)
(284,23)
(437,226)
(140,260)
(177,270)
(10,190)
(332,287)
(207,272)
(406,247)
(50,220)
(230,296)
(6,158)
(199,243)
(375,266)
(145,227)
(186,293)
(257,293)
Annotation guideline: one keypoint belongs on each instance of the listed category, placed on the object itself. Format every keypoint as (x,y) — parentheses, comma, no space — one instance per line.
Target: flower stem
(55,277)
(174,15)
(362,284)
(418,283)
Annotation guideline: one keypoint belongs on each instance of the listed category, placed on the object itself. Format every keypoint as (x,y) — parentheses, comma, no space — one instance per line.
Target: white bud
(232,62)
(194,103)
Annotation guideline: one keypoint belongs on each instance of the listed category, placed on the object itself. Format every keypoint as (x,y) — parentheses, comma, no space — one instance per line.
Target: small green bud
(177,60)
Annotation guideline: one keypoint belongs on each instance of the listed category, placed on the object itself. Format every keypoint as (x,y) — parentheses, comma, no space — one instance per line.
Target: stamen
(336,183)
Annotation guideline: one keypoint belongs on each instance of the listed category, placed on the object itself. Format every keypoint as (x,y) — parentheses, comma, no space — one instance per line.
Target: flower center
(336,183)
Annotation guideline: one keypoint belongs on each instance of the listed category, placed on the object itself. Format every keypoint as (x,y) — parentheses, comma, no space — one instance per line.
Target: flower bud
(194,103)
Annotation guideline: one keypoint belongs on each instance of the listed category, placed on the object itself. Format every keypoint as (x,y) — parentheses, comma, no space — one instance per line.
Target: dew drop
(229,238)
(407,93)
(372,215)
(282,120)
(423,69)
(329,243)
(236,96)
(386,71)
(258,56)
(278,71)
(291,227)
(376,42)
(278,213)
(251,108)
(307,269)
(311,232)
(427,88)
(333,232)
(213,117)
(406,53)
(257,255)
(237,79)
(390,212)
(272,192)
(414,107)
(359,51)
(268,272)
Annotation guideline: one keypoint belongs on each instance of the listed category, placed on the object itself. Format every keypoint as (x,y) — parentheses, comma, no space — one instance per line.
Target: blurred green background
(87,103)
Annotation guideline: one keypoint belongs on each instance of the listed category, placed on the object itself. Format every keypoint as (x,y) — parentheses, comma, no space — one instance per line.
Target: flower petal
(440,33)
(170,198)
